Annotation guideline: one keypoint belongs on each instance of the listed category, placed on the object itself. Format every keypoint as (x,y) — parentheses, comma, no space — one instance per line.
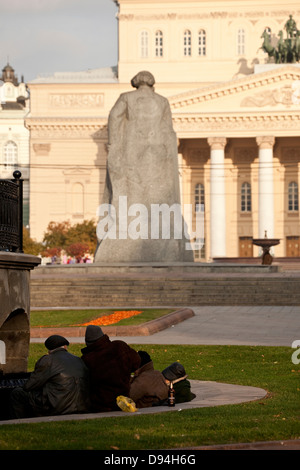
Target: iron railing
(11,213)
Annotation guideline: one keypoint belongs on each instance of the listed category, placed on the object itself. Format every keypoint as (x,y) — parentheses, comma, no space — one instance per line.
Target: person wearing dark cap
(148,387)
(175,374)
(58,385)
(110,364)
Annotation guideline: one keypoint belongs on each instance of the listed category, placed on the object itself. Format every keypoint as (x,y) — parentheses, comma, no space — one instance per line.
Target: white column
(217,198)
(180,169)
(265,187)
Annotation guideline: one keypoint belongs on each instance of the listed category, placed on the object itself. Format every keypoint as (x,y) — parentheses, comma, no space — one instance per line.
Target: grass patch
(64,318)
(276,417)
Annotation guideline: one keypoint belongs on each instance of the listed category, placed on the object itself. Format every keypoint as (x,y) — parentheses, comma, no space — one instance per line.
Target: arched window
(187,43)
(293,201)
(10,155)
(246,205)
(159,44)
(241,42)
(144,40)
(202,42)
(199,197)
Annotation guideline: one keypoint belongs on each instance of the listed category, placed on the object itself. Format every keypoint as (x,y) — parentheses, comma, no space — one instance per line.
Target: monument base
(176,285)
(15,310)
(152,267)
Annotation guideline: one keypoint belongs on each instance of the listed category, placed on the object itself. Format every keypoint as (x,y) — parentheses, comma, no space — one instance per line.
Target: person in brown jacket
(110,364)
(148,387)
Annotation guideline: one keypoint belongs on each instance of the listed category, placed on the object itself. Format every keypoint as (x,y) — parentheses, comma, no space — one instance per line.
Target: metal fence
(11,214)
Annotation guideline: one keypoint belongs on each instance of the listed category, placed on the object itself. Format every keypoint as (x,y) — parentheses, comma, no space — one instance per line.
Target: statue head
(143,78)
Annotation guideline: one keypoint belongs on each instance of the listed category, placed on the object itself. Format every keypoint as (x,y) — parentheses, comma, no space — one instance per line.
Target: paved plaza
(236,325)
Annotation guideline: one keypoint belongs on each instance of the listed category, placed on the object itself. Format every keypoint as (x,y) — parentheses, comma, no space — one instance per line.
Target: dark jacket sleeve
(40,375)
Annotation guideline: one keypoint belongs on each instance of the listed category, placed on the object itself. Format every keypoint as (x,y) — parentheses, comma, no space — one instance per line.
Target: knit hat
(174,372)
(145,358)
(55,341)
(92,334)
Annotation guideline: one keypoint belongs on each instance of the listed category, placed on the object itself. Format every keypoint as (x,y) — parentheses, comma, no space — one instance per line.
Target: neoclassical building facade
(14,137)
(235,111)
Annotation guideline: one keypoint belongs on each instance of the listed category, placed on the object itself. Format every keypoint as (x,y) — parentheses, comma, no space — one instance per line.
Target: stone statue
(142,173)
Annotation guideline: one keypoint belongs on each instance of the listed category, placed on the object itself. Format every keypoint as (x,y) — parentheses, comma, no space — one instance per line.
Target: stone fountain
(266,244)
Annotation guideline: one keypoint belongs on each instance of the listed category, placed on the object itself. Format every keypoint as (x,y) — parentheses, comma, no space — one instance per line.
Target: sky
(40,37)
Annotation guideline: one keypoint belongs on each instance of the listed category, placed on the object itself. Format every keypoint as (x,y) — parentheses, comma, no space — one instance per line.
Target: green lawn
(62,318)
(276,417)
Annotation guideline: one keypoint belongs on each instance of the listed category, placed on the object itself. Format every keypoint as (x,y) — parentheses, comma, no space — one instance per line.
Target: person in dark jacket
(148,386)
(110,364)
(176,374)
(58,385)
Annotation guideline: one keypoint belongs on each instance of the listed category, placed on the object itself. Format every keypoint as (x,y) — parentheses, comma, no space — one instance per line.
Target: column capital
(217,143)
(265,142)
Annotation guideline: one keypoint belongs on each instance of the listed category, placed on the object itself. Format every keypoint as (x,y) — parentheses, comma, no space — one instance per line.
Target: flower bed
(113,318)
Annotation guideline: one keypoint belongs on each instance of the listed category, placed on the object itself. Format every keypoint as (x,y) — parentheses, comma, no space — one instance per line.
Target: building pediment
(267,101)
(274,88)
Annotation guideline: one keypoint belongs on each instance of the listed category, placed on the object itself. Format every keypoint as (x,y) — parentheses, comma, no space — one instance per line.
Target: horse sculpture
(296,48)
(267,46)
(286,50)
(283,49)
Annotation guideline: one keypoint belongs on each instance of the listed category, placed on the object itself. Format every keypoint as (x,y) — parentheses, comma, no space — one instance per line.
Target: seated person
(176,374)
(110,364)
(148,387)
(58,385)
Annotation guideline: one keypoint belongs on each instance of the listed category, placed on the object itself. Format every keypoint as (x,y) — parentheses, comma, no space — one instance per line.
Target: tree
(85,233)
(63,234)
(56,234)
(55,251)
(77,250)
(30,246)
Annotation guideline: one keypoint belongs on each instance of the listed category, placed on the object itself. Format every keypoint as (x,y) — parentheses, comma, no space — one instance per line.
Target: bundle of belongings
(175,374)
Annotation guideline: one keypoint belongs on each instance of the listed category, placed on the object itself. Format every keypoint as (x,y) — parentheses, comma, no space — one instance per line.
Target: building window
(77,200)
(10,155)
(241,42)
(293,202)
(246,197)
(159,44)
(199,249)
(144,44)
(199,197)
(187,43)
(199,200)
(202,42)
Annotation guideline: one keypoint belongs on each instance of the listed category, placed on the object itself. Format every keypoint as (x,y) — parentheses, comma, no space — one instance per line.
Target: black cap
(93,333)
(174,371)
(55,341)
(145,358)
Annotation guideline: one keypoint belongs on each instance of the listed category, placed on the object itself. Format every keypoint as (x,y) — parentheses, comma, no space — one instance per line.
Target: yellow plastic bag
(126,404)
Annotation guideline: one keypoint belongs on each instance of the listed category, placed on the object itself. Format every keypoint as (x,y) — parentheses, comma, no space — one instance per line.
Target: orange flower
(113,318)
